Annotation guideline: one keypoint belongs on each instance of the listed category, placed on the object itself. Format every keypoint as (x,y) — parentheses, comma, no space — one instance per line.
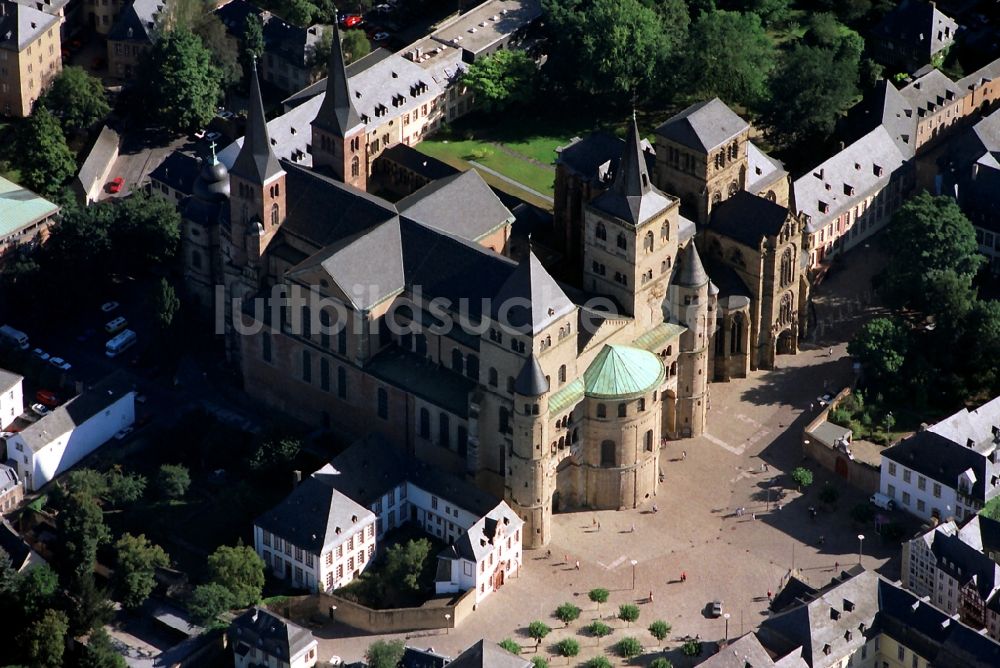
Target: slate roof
(740,653)
(762,169)
(178,170)
(930,92)
(748,218)
(76,411)
(8,478)
(258,628)
(691,272)
(960,555)
(290,42)
(318,88)
(595,157)
(530,299)
(487,654)
(622,372)
(395,86)
(19,207)
(976,425)
(531,381)
(21,25)
(940,459)
(422,658)
(435,205)
(917,23)
(337,114)
(703,126)
(9,380)
(137,22)
(885,106)
(256,161)
(435,384)
(477,542)
(632,197)
(855,166)
(413,160)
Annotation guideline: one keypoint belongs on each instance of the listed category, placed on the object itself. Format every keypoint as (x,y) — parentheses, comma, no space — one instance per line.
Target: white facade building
(72,431)
(948,470)
(262,639)
(485,557)
(11,397)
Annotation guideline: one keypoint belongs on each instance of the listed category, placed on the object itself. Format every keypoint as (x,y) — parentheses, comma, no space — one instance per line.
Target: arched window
(562,374)
(472,367)
(493,379)
(734,188)
(665,231)
(736,335)
(622,410)
(355,166)
(274,214)
(608,453)
(647,245)
(456,360)
(601,411)
(642,403)
(785,312)
(786,267)
(673,369)
(601,233)
(562,442)
(771,197)
(622,241)
(425,423)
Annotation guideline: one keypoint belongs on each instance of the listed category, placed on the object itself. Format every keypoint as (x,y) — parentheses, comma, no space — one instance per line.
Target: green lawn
(487,154)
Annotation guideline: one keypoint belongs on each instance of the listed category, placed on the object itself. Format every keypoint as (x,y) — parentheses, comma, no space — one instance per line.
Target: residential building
(68,11)
(949,470)
(91,182)
(11,489)
(939,104)
(101,15)
(11,397)
(958,569)
(25,218)
(261,638)
(316,538)
(491,26)
(488,654)
(913,34)
(866,621)
(30,56)
(133,33)
(173,179)
(486,554)
(50,446)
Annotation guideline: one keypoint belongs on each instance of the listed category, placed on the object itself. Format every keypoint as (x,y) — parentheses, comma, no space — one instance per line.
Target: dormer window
(848,189)
(823,207)
(877,170)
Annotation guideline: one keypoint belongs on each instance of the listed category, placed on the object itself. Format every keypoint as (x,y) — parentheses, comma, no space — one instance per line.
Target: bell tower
(339,143)
(530,484)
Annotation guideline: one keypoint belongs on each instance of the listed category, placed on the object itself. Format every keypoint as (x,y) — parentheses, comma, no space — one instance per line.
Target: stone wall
(855,472)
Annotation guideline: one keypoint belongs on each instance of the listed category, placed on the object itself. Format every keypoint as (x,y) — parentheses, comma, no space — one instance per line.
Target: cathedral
(410,319)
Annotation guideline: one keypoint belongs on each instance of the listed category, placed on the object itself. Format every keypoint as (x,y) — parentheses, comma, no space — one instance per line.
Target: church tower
(692,305)
(630,238)
(529,483)
(257,186)
(338,135)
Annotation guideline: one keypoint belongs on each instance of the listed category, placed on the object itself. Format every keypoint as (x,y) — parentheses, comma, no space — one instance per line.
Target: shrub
(691,648)
(829,494)
(567,612)
(598,662)
(628,613)
(599,596)
(539,662)
(659,630)
(599,629)
(802,476)
(509,645)
(661,663)
(568,647)
(629,647)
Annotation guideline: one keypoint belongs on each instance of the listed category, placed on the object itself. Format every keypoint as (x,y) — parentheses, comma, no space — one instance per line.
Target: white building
(262,639)
(11,398)
(72,431)
(485,557)
(317,538)
(950,469)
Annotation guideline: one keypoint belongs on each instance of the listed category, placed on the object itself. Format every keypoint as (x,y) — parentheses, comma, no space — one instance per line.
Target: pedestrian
(769,595)
(831,352)
(656,508)
(577,564)
(593,522)
(684,454)
(684,576)
(598,527)
(650,595)
(548,554)
(836,565)
(633,528)
(766,467)
(779,505)
(754,516)
(811,407)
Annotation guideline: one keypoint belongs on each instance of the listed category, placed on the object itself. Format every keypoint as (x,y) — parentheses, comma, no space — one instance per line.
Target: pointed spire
(531,382)
(256,161)
(692,272)
(337,113)
(632,177)
(530,299)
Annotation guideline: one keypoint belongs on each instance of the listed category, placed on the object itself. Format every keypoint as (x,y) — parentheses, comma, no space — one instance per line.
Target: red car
(47,398)
(115,185)
(352,20)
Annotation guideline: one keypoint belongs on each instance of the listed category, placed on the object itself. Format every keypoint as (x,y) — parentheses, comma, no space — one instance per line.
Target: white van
(883,501)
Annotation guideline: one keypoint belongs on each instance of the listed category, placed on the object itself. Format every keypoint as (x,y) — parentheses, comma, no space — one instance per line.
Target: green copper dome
(621,372)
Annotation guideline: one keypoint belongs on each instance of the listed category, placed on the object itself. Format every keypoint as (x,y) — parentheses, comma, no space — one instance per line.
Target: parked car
(716,608)
(115,185)
(108,307)
(60,363)
(224,114)
(47,398)
(39,410)
(352,20)
(213,136)
(38,353)
(123,433)
(883,501)
(380,36)
(116,325)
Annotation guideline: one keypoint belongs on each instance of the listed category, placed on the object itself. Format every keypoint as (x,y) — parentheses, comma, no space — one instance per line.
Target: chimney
(296,478)
(975,170)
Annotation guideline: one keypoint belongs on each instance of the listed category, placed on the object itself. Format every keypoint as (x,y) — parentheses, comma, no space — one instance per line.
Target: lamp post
(726,617)
(861,541)
(447,620)
(634,562)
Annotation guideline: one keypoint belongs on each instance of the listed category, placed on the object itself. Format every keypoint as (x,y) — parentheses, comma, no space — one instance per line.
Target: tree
(275,452)
(691,648)
(538,630)
(182,83)
(355,45)
(829,494)
(880,346)
(77,98)
(36,590)
(41,153)
(539,662)
(629,647)
(802,476)
(501,79)
(598,662)
(135,574)
(88,606)
(173,481)
(599,629)
(598,596)
(252,42)
(931,240)
(510,646)
(124,488)
(81,529)
(9,577)
(405,563)
(87,482)
(197,17)
(207,602)
(659,630)
(240,570)
(298,12)
(100,653)
(146,231)
(628,613)
(731,58)
(772,13)
(567,612)
(568,647)
(45,640)
(165,304)
(385,653)
(660,662)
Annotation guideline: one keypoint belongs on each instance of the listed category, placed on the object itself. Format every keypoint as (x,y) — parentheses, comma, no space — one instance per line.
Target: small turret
(529,482)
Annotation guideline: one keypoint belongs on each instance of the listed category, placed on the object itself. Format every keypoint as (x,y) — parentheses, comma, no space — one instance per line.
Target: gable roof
(256,161)
(919,24)
(178,170)
(884,105)
(137,22)
(478,540)
(96,164)
(487,654)
(703,126)
(530,300)
(337,114)
(434,205)
(9,380)
(21,25)
(748,218)
(263,630)
(940,459)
